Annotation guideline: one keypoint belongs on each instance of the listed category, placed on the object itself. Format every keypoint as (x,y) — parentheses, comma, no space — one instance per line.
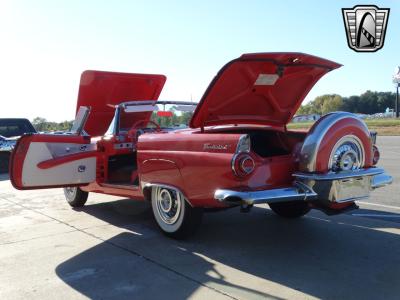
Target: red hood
(260,88)
(101,90)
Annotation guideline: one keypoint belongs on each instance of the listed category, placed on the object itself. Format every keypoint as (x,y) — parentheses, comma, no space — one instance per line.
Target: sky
(45,46)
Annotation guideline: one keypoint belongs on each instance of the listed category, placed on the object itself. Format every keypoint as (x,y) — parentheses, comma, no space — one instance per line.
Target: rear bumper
(330,187)
(298,192)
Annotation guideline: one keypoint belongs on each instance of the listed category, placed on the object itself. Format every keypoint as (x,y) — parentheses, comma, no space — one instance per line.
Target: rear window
(9,127)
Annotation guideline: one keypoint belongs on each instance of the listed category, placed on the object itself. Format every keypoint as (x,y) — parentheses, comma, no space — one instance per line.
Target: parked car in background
(237,152)
(306,118)
(10,131)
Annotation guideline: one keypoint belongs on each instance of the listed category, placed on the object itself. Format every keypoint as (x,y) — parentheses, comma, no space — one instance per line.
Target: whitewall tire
(173,214)
(75,196)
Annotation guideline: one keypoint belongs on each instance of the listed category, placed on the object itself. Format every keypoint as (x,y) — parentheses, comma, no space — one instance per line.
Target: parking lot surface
(112,249)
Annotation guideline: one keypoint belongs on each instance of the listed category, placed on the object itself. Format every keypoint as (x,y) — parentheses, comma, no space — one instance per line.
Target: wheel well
(148,186)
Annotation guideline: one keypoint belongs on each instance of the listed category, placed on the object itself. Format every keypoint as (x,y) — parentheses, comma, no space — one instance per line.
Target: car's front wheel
(75,196)
(173,214)
(294,209)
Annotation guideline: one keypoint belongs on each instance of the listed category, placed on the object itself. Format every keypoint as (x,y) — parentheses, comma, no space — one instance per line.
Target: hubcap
(348,154)
(168,204)
(70,191)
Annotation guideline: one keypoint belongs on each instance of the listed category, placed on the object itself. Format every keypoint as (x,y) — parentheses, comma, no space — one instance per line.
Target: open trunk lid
(101,91)
(260,88)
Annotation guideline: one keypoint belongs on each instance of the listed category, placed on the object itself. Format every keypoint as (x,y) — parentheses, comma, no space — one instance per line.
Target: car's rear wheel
(294,209)
(75,196)
(173,214)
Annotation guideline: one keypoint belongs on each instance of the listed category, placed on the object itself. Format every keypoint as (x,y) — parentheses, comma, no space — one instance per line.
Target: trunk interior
(270,143)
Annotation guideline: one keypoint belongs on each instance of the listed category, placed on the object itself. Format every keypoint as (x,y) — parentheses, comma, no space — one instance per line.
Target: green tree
(41,124)
(322,105)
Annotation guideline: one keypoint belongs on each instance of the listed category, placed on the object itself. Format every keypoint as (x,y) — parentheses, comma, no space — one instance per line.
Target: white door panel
(74,172)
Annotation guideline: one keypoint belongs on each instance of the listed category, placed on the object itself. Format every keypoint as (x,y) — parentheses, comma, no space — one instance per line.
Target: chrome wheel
(70,192)
(173,213)
(168,203)
(75,196)
(347,154)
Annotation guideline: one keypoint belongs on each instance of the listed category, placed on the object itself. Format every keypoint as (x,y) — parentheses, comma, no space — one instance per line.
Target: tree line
(42,125)
(366,103)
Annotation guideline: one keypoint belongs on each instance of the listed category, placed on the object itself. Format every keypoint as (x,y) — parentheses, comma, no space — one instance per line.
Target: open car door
(51,160)
(48,160)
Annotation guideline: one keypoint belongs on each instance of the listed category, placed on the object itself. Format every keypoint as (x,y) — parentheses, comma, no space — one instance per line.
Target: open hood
(103,90)
(260,88)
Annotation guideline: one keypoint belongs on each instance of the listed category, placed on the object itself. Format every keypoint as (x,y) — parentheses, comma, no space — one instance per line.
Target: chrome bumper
(330,187)
(345,186)
(299,192)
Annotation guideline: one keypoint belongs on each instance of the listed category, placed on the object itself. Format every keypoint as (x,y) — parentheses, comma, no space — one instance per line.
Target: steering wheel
(134,130)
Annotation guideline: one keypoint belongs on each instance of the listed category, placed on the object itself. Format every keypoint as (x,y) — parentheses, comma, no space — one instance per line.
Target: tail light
(242,162)
(375,155)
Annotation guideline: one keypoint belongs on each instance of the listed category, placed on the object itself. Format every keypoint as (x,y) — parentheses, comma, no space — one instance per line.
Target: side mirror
(80,120)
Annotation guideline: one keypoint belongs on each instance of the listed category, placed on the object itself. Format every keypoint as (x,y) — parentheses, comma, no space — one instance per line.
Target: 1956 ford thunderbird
(237,151)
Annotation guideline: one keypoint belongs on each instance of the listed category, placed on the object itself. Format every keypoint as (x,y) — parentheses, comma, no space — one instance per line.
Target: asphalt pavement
(112,249)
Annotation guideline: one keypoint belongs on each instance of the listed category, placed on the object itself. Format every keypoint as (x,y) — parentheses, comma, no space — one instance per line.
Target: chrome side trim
(340,175)
(309,149)
(295,193)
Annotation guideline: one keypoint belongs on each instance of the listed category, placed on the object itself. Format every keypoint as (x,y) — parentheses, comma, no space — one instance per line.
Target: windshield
(148,116)
(173,116)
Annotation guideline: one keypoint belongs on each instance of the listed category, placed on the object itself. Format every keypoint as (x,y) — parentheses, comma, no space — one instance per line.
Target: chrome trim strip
(309,149)
(154,102)
(296,193)
(340,175)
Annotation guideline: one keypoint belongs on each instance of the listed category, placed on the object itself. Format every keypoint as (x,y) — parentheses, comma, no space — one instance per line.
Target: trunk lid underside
(262,88)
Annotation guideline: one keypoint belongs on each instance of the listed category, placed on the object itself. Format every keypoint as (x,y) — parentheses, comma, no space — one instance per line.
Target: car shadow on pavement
(254,255)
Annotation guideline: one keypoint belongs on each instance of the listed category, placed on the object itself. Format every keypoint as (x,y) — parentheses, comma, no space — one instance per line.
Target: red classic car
(237,151)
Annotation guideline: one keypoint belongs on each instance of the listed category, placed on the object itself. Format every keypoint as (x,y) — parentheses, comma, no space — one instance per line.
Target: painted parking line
(380,205)
(376,215)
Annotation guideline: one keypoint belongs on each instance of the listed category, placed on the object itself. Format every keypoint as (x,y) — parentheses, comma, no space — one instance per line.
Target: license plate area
(350,189)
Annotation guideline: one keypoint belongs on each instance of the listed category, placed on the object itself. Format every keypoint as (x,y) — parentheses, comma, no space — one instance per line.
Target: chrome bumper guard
(299,192)
(347,185)
(332,187)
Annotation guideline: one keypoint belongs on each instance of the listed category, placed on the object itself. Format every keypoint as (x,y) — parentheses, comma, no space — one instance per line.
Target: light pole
(396,81)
